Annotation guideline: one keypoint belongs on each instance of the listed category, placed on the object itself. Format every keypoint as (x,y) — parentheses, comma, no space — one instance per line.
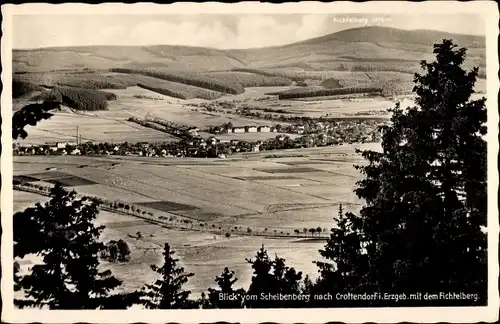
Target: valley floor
(293,189)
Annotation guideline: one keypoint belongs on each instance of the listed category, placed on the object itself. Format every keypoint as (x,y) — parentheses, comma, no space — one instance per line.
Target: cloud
(190,33)
(250,31)
(109,35)
(219,31)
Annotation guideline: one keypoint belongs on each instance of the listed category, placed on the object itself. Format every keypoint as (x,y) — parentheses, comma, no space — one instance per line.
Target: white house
(75,152)
(264,129)
(252,129)
(61,145)
(193,131)
(300,129)
(238,130)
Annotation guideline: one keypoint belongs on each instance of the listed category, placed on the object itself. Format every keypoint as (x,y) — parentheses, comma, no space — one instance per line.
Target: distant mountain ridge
(360,45)
(377,34)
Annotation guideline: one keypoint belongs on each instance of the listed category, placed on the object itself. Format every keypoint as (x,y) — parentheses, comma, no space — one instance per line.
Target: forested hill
(375,46)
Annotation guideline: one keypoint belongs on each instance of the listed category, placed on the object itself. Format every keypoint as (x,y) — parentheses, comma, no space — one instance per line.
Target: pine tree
(167,292)
(17,279)
(272,277)
(225,282)
(425,192)
(62,232)
(30,115)
(348,261)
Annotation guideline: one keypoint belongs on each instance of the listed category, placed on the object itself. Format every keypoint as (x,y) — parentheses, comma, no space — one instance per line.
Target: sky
(218,31)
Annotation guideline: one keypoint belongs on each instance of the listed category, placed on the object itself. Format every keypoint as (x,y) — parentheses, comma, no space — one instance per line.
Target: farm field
(348,107)
(330,108)
(111,125)
(279,193)
(312,107)
(171,109)
(96,127)
(204,254)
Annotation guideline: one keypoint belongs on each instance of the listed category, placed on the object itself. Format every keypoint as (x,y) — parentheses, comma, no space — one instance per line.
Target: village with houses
(213,142)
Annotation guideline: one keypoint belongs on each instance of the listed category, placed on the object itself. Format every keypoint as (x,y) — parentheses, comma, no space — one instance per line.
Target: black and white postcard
(250,162)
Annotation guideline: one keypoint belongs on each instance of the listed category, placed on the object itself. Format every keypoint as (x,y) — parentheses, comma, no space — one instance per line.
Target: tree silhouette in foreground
(272,277)
(167,292)
(62,232)
(31,115)
(17,279)
(344,261)
(425,192)
(217,298)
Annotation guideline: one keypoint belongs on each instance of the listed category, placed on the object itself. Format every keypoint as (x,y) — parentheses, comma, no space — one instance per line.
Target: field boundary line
(159,222)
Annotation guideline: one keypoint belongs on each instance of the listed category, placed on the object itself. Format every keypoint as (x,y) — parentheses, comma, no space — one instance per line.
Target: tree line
(189,79)
(304,92)
(175,221)
(22,88)
(78,98)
